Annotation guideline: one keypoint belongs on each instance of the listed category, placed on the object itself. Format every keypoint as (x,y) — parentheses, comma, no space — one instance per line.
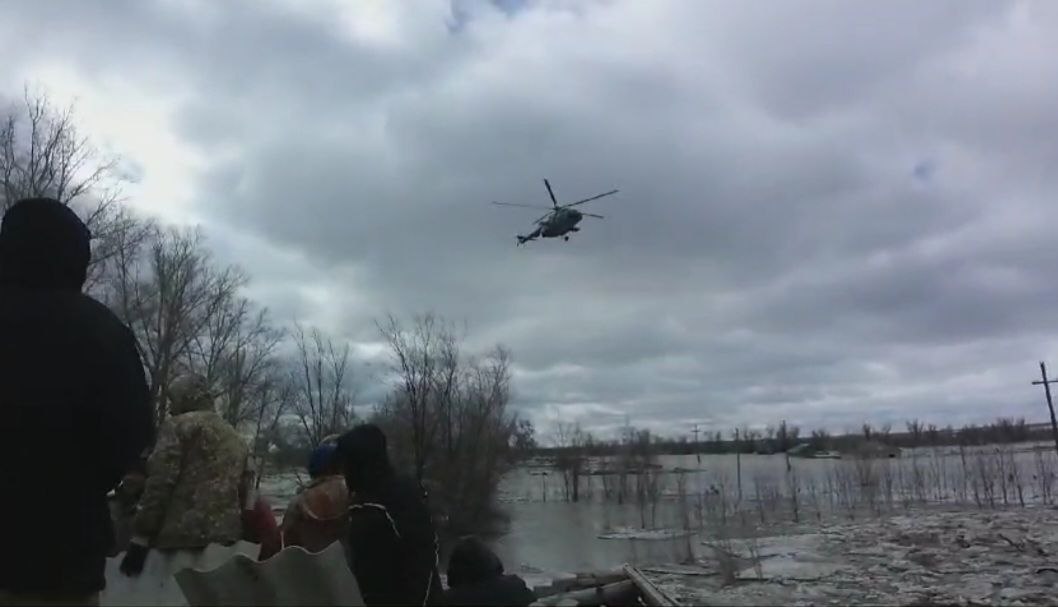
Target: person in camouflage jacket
(192,494)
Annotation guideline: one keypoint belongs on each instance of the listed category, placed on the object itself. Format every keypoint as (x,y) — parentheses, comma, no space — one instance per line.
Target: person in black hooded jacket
(74,409)
(392,545)
(475,577)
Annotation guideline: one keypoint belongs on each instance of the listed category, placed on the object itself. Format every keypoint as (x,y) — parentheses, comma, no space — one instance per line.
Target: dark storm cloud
(829,211)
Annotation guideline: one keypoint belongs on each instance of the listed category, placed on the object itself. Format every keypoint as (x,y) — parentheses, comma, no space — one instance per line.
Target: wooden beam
(650,593)
(620,593)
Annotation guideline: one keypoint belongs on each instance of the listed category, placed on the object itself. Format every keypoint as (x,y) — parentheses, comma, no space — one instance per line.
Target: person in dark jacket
(475,577)
(392,546)
(74,409)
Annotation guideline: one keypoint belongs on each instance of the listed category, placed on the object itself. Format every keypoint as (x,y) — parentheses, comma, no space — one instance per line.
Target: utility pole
(697,452)
(1046,383)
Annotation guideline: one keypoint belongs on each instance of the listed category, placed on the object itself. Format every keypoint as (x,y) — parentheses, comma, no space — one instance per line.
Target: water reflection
(549,538)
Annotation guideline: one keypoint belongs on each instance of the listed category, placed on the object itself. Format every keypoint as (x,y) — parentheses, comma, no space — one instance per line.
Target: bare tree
(42,153)
(448,418)
(915,431)
(884,432)
(323,396)
(425,362)
(933,434)
(270,399)
(524,437)
(483,431)
(786,437)
(234,350)
(820,439)
(570,440)
(168,291)
(446,389)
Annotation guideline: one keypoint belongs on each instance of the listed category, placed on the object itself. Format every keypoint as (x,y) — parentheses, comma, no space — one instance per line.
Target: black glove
(135,558)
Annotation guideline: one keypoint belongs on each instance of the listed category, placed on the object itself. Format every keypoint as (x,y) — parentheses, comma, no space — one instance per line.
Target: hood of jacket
(502,590)
(472,562)
(44,245)
(190,393)
(364,459)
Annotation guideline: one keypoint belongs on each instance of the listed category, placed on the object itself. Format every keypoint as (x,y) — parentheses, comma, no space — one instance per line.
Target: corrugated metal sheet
(292,577)
(156,585)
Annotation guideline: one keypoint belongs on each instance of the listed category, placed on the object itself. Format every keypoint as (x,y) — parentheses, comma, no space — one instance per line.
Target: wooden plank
(621,593)
(601,578)
(651,594)
(579,581)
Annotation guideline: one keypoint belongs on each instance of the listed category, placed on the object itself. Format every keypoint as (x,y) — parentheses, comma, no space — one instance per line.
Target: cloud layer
(829,211)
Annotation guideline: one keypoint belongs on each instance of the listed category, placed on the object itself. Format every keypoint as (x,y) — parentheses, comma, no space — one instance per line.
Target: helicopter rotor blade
(542,218)
(593,215)
(524,206)
(553,201)
(573,204)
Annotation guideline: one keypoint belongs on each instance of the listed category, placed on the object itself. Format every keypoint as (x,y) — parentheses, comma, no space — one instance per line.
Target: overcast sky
(830,211)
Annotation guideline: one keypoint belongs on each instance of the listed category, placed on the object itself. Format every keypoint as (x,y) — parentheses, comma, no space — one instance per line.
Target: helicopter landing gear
(565,238)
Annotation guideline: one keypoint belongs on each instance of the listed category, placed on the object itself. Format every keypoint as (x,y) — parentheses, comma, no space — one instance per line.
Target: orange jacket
(318,516)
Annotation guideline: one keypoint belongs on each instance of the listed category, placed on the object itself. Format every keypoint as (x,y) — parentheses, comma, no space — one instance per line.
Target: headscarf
(323,459)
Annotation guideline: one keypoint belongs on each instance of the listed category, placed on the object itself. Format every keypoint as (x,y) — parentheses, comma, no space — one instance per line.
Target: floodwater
(549,536)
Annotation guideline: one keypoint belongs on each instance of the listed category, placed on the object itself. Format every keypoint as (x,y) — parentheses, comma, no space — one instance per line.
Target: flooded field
(674,517)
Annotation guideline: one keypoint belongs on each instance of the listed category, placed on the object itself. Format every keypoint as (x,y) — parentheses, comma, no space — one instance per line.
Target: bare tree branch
(42,153)
(323,394)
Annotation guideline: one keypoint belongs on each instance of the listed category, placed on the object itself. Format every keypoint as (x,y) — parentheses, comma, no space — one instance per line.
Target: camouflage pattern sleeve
(163,470)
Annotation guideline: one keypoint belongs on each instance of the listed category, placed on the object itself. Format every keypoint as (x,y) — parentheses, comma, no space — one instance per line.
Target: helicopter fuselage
(560,223)
(561,218)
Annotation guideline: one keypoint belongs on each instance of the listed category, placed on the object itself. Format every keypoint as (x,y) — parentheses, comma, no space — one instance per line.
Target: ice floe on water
(952,557)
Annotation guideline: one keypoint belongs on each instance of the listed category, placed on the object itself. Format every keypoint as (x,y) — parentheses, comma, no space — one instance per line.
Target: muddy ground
(925,557)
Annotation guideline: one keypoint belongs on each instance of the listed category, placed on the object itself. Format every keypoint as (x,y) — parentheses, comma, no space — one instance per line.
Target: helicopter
(560,220)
